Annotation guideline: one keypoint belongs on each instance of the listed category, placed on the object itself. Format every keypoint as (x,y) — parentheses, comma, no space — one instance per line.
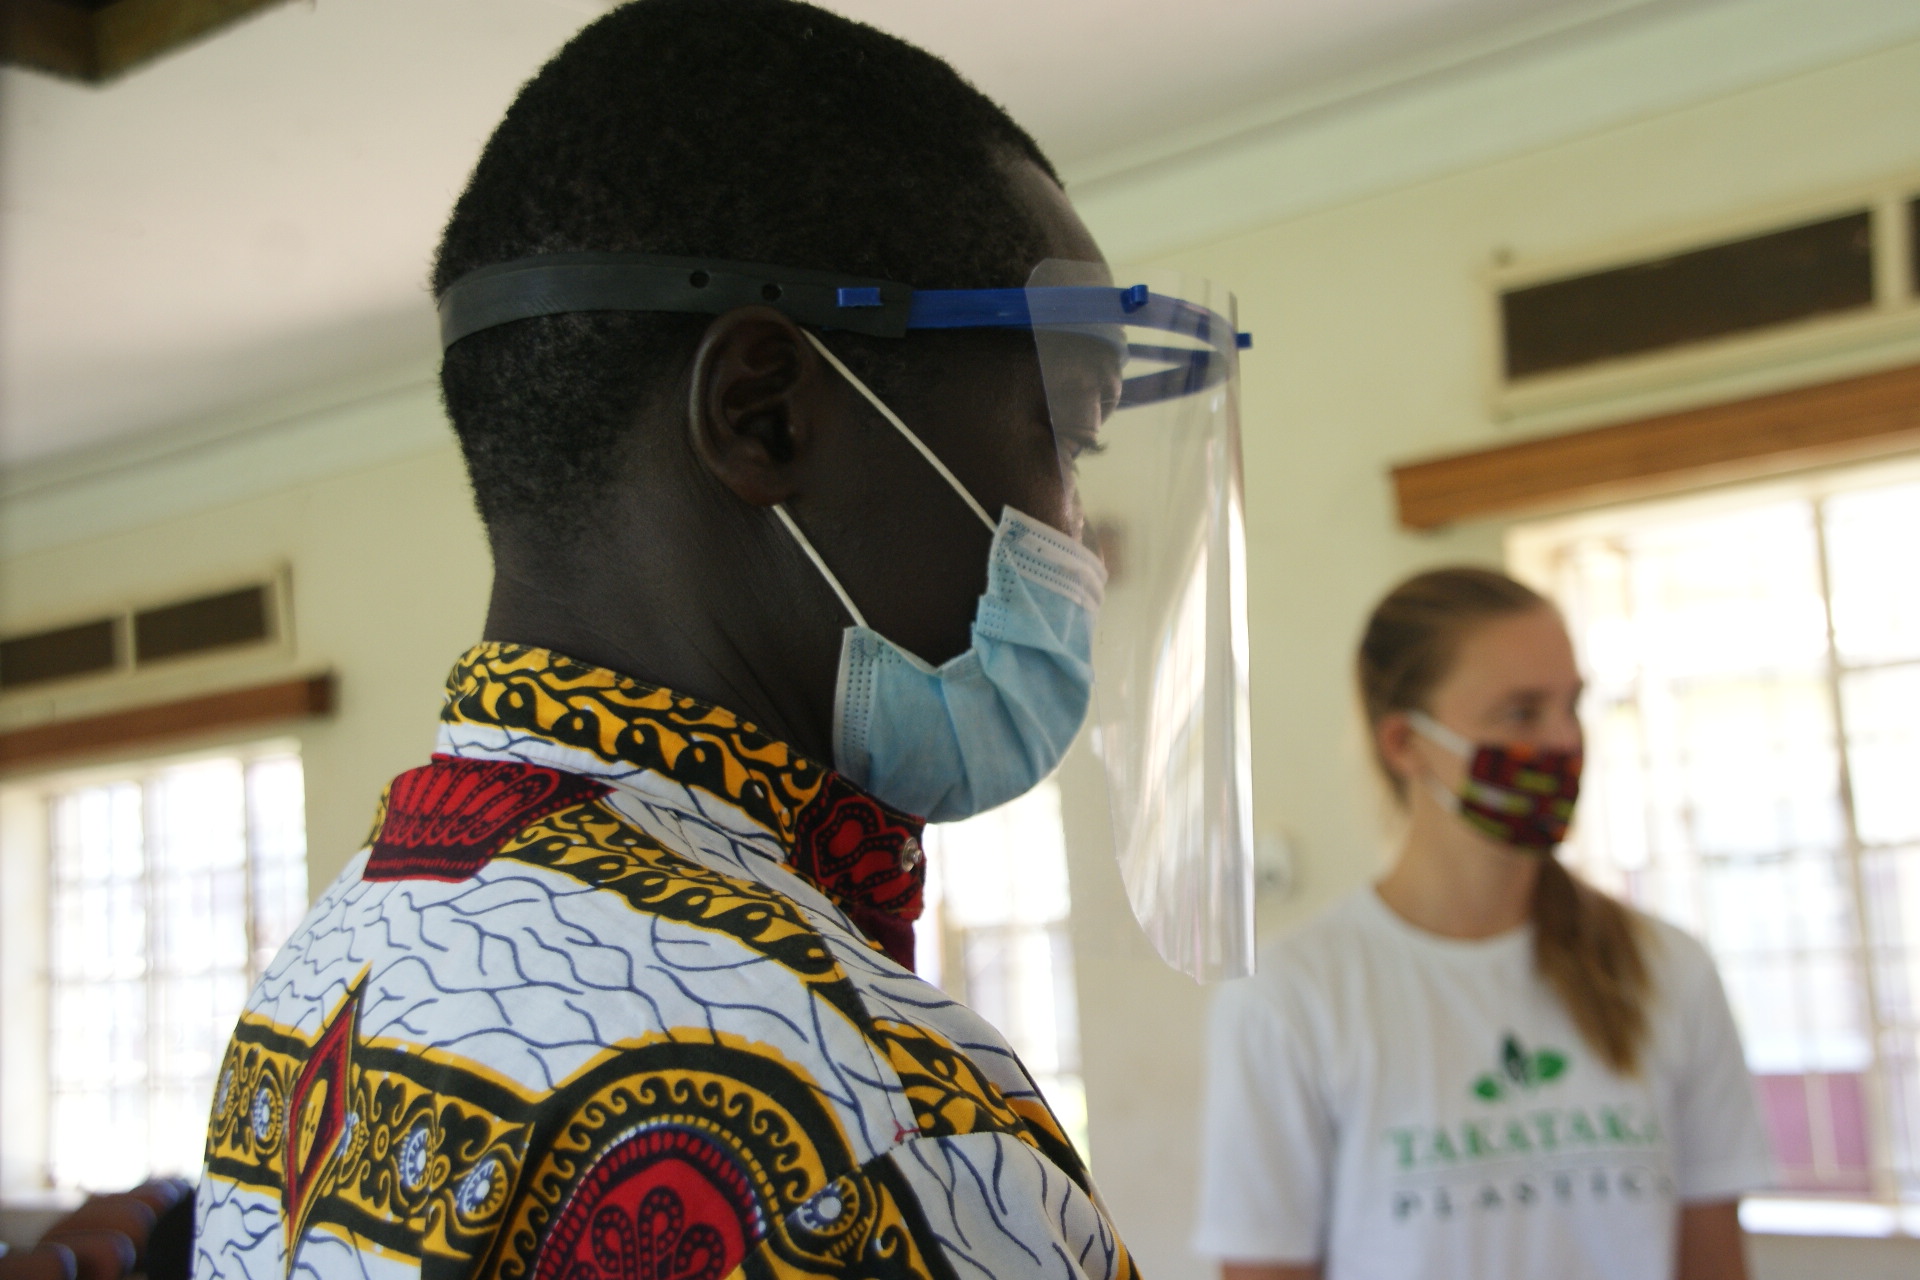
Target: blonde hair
(1588,946)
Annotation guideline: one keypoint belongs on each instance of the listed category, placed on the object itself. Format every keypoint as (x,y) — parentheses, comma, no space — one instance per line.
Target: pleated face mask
(951,741)
(1519,795)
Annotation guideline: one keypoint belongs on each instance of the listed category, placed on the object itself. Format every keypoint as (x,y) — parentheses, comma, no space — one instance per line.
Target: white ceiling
(255,214)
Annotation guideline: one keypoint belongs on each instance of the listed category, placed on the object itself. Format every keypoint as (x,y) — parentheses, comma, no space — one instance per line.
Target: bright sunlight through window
(1754,737)
(168,888)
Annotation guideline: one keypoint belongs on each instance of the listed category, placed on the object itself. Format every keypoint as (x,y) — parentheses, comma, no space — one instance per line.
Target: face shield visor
(1141,376)
(1141,370)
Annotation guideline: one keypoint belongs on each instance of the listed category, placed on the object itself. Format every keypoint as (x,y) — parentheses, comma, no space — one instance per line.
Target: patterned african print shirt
(608,995)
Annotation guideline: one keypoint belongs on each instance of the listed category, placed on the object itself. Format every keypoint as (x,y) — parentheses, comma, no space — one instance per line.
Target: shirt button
(910,854)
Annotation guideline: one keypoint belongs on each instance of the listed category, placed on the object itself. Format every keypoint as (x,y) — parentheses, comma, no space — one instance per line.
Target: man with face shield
(772,413)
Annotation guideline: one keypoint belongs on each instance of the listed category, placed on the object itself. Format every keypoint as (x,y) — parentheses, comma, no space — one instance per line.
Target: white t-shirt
(1395,1104)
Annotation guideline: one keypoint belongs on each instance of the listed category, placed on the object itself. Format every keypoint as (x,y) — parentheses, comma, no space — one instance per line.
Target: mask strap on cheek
(846,601)
(932,458)
(1447,740)
(1440,736)
(1447,800)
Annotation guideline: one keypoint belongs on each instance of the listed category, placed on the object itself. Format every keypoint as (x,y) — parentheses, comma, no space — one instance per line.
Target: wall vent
(1734,287)
(136,639)
(1913,242)
(83,649)
(196,626)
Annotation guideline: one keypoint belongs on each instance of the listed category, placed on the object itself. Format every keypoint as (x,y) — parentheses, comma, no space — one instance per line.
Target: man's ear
(754,402)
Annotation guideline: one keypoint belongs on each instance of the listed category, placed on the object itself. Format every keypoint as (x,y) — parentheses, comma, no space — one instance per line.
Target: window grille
(169,890)
(1754,743)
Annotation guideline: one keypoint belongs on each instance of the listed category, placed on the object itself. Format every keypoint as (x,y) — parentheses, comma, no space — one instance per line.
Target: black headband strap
(553,283)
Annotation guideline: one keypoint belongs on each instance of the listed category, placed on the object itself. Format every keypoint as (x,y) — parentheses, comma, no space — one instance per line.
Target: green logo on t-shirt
(1521,1121)
(1519,1069)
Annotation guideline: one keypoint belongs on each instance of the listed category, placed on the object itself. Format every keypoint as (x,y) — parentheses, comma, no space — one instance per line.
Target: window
(164,890)
(994,936)
(1754,775)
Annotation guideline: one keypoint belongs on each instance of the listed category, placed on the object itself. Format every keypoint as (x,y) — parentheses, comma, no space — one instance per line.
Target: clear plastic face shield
(1141,375)
(1141,370)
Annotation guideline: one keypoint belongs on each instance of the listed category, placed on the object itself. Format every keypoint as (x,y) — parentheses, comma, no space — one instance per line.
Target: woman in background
(1479,1067)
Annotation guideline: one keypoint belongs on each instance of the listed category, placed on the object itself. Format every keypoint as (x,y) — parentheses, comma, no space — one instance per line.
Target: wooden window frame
(1853,419)
(62,740)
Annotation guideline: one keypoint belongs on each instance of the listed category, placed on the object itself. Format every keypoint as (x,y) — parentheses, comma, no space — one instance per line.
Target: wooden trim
(95,45)
(47,36)
(1862,417)
(236,708)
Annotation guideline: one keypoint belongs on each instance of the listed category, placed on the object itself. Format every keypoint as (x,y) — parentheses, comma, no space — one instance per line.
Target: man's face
(1016,434)
(979,402)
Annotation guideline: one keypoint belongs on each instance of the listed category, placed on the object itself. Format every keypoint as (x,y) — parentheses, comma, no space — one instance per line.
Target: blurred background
(1622,294)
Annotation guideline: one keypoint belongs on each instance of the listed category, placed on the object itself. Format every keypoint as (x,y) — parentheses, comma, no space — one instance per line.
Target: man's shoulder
(536,1034)
(473,822)
(636,871)
(515,919)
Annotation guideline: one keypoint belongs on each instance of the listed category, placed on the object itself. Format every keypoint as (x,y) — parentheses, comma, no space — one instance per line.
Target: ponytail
(1589,947)
(1591,950)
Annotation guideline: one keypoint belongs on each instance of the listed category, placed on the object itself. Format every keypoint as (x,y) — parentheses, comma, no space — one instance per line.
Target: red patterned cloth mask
(1520,795)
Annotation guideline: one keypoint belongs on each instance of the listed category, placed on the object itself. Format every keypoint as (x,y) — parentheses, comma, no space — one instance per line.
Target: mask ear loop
(846,601)
(1439,735)
(932,458)
(780,510)
(1447,740)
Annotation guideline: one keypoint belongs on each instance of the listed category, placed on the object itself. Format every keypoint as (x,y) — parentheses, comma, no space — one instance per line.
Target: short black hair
(753,130)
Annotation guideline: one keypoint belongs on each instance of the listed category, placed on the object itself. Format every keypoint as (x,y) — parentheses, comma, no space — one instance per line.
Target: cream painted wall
(1370,320)
(1371,346)
(389,574)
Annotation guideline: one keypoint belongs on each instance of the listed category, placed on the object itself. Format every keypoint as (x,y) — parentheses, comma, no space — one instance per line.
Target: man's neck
(651,627)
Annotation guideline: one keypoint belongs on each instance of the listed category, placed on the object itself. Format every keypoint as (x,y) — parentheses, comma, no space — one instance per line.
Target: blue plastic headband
(560,283)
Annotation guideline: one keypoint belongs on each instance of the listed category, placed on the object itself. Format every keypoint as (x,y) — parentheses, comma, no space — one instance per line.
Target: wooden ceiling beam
(96,40)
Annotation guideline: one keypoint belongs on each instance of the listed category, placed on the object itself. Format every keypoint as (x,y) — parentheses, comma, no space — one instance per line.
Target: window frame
(946,940)
(1531,552)
(27,980)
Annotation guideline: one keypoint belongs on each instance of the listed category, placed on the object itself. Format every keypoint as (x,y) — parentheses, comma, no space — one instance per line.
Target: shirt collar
(861,853)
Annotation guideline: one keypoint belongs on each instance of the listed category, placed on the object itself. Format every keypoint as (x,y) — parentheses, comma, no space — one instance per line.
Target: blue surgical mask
(951,741)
